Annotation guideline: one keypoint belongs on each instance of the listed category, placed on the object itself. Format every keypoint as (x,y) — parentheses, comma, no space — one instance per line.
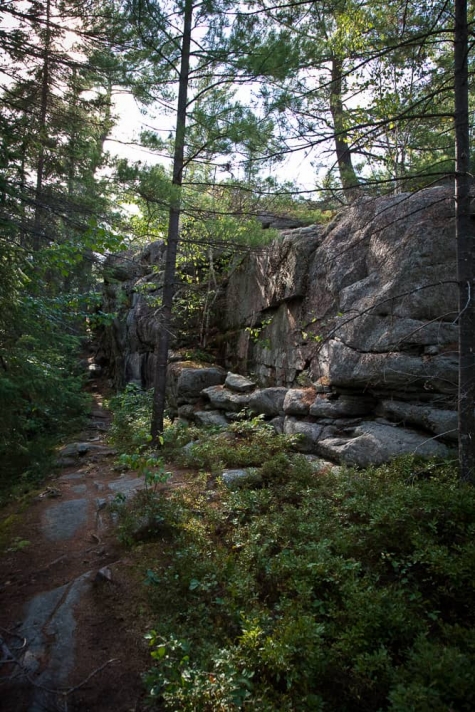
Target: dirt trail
(66,591)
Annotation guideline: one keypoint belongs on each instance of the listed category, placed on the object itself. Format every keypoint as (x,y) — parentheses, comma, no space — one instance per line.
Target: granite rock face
(367,302)
(345,334)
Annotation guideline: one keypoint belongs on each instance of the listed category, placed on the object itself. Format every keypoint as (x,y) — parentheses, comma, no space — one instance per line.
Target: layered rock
(368,302)
(357,319)
(336,428)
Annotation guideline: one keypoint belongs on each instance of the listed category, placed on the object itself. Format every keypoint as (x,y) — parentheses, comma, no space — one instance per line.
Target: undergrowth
(332,592)
(42,401)
(340,592)
(130,425)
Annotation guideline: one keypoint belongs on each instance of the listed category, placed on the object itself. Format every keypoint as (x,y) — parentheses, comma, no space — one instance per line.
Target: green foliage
(130,433)
(40,385)
(147,465)
(245,443)
(346,592)
(130,429)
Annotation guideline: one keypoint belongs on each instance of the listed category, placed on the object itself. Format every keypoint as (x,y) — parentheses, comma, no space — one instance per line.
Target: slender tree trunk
(348,177)
(72,148)
(173,233)
(23,215)
(40,168)
(465,250)
(107,124)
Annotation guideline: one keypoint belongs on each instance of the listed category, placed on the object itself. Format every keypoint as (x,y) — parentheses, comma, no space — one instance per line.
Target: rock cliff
(357,318)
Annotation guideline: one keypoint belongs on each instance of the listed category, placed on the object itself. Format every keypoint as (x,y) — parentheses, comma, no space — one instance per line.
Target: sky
(124,143)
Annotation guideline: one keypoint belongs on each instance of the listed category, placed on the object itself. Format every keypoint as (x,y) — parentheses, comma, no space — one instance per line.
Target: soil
(62,545)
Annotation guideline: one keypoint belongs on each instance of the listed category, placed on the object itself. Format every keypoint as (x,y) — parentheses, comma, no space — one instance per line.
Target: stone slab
(79,489)
(49,630)
(71,477)
(126,485)
(62,520)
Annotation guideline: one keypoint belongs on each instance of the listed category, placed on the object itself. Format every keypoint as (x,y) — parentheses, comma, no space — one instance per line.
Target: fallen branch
(9,658)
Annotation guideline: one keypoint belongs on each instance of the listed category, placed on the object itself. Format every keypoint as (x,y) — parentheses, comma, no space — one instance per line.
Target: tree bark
(348,177)
(158,408)
(465,236)
(40,167)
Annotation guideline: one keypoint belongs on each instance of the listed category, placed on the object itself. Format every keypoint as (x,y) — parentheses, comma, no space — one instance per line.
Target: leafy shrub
(245,443)
(336,592)
(131,409)
(42,399)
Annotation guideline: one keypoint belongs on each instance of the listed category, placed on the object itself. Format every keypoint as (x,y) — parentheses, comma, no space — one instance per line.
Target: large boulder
(373,443)
(238,383)
(268,401)
(308,433)
(349,330)
(443,423)
(298,401)
(185,384)
(213,418)
(224,399)
(345,406)
(367,303)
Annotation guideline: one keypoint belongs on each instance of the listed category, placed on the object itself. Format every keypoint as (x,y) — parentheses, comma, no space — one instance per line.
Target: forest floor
(72,617)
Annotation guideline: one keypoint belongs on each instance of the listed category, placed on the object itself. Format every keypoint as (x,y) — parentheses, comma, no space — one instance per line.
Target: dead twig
(9,658)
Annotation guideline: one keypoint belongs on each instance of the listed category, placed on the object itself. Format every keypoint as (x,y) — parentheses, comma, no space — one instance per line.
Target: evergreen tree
(195,62)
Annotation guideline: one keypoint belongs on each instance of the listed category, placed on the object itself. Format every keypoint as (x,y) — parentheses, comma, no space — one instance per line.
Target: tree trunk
(465,249)
(40,167)
(173,233)
(348,177)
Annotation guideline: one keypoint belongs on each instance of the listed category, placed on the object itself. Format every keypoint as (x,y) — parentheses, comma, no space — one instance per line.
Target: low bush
(245,443)
(131,409)
(42,400)
(348,592)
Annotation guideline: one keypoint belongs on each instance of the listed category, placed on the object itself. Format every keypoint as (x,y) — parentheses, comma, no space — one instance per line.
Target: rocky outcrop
(132,285)
(341,431)
(349,330)
(367,303)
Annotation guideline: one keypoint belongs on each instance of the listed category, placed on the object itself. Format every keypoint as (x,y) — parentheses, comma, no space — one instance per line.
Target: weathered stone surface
(79,489)
(77,450)
(363,308)
(309,433)
(342,407)
(238,383)
(234,479)
(61,521)
(270,277)
(375,443)
(278,424)
(370,283)
(49,629)
(186,411)
(268,401)
(211,417)
(223,399)
(343,366)
(439,422)
(126,486)
(297,401)
(192,381)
